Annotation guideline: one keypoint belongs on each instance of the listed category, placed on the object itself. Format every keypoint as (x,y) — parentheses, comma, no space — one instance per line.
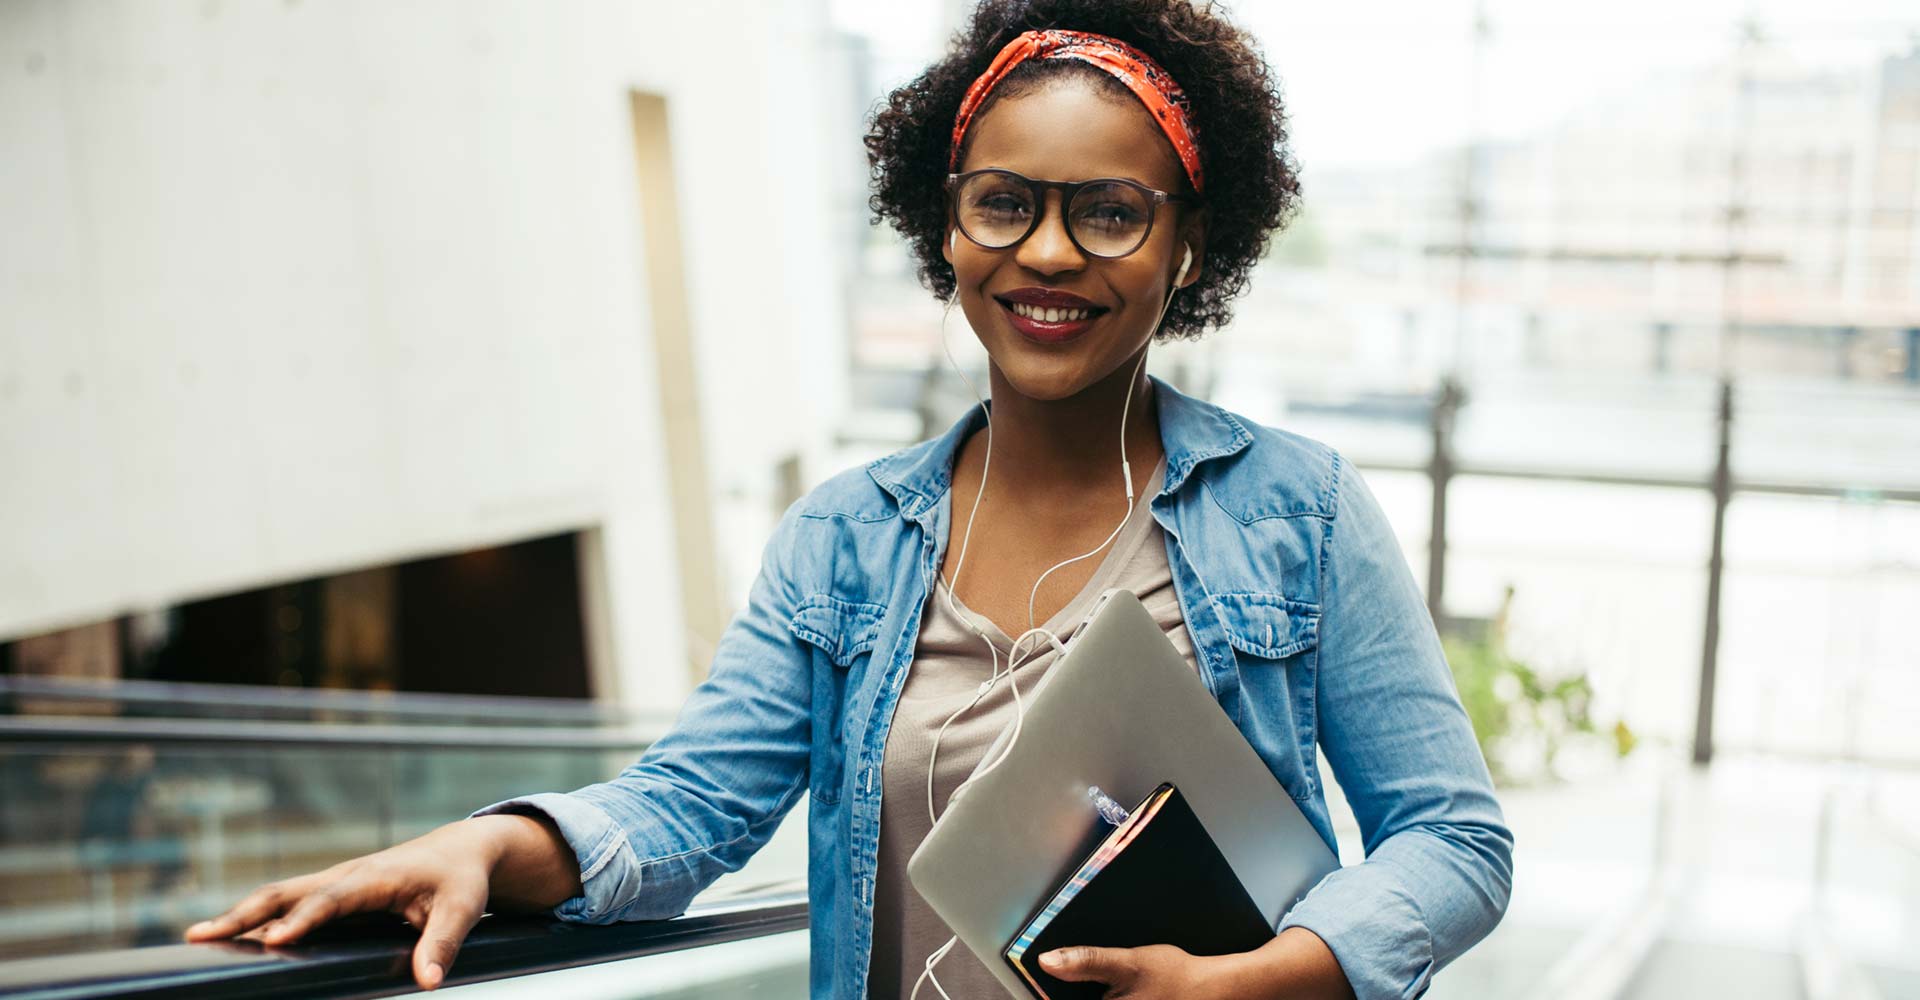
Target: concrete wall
(289,288)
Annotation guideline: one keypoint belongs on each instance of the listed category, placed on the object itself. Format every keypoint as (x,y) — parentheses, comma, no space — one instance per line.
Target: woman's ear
(1194,236)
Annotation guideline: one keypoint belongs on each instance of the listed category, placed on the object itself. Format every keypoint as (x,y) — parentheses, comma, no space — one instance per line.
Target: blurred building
(299,302)
(1758,215)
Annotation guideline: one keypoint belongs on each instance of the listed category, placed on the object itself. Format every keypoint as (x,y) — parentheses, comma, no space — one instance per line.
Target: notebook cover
(1157,879)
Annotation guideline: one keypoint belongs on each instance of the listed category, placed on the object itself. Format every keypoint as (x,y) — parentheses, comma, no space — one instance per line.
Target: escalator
(134,810)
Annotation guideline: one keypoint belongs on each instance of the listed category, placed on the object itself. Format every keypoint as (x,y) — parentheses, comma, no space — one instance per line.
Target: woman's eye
(1110,215)
(1001,206)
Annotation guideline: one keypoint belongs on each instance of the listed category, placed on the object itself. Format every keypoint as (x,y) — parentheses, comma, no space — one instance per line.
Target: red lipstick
(1049,315)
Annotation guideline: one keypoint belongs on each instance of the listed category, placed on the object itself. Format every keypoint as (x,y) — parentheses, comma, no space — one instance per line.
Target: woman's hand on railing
(440,882)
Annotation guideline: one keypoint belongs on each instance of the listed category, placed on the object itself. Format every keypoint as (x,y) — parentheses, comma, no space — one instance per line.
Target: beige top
(948,665)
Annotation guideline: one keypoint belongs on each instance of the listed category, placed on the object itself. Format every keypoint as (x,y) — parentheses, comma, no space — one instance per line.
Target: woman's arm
(711,791)
(1439,865)
(642,845)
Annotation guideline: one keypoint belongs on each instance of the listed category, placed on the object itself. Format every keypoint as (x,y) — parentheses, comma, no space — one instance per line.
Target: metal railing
(372,957)
(177,698)
(62,729)
(1443,466)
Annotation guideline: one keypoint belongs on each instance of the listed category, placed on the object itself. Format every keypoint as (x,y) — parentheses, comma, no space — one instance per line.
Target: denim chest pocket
(842,634)
(1276,650)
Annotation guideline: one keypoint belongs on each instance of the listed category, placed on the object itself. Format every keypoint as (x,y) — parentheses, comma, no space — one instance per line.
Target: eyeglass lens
(1107,220)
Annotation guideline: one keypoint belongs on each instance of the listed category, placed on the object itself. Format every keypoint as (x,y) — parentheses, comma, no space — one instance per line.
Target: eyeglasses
(1106,217)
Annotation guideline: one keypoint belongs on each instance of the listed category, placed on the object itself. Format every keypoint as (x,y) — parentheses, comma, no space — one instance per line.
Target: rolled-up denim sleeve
(609,870)
(1439,857)
(703,798)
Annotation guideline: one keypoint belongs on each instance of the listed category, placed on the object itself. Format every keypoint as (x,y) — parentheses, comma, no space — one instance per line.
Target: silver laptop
(1121,710)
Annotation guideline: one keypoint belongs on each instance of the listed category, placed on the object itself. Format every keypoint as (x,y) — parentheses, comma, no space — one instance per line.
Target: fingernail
(434,974)
(201,926)
(1053,960)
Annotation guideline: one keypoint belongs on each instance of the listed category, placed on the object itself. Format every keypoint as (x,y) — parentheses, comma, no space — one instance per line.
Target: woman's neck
(1066,447)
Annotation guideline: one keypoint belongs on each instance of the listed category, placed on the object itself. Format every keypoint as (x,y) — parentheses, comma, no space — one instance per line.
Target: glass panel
(1657,426)
(121,845)
(1834,433)
(1818,654)
(1603,580)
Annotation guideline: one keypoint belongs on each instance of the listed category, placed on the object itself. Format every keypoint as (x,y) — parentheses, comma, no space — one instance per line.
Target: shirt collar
(1192,431)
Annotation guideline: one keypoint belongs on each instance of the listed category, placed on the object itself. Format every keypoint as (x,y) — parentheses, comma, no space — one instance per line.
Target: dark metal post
(1440,472)
(1913,354)
(1710,652)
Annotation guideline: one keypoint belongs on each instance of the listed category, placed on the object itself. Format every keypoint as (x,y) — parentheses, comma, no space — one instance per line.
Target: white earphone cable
(1013,652)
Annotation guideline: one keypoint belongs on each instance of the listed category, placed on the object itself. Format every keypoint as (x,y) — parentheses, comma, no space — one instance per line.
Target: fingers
(1113,966)
(450,907)
(453,914)
(328,902)
(260,906)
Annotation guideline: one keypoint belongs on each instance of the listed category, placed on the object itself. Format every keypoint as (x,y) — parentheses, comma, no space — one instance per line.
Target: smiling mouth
(1050,324)
(1051,314)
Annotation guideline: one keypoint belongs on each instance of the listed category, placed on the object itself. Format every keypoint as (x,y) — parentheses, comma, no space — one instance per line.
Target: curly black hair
(1253,187)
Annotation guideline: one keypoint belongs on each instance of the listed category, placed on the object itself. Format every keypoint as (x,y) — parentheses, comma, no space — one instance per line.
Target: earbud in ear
(1186,261)
(953,240)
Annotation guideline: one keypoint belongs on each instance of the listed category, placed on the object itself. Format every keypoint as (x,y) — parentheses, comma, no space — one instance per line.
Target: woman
(1260,553)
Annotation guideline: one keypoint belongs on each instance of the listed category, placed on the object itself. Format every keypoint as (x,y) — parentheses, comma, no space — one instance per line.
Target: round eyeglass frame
(1068,189)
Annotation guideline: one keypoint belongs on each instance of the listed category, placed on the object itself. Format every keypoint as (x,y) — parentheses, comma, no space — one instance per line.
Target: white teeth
(1050,315)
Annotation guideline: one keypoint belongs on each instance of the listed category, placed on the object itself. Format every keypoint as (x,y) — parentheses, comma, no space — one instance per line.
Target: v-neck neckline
(1124,545)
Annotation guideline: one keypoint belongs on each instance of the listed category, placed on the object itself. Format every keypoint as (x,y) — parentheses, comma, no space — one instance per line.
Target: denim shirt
(1307,628)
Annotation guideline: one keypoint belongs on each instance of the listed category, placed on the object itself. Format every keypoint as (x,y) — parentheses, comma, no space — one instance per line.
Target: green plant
(1521,718)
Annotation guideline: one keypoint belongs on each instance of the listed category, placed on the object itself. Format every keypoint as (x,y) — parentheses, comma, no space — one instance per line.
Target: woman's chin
(1051,372)
(1047,379)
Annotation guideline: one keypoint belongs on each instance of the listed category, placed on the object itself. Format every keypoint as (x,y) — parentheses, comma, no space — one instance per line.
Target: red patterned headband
(1129,65)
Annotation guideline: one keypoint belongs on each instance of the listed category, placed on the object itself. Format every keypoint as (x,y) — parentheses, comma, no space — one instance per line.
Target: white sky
(1382,80)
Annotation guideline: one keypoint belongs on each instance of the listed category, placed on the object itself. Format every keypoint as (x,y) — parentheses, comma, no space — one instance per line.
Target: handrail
(1902,494)
(175,694)
(371,957)
(355,736)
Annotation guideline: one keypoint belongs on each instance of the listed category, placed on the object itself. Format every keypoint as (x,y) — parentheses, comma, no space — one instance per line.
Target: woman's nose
(1048,249)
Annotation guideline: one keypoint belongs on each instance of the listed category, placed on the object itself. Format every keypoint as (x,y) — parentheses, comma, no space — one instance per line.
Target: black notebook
(1158,878)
